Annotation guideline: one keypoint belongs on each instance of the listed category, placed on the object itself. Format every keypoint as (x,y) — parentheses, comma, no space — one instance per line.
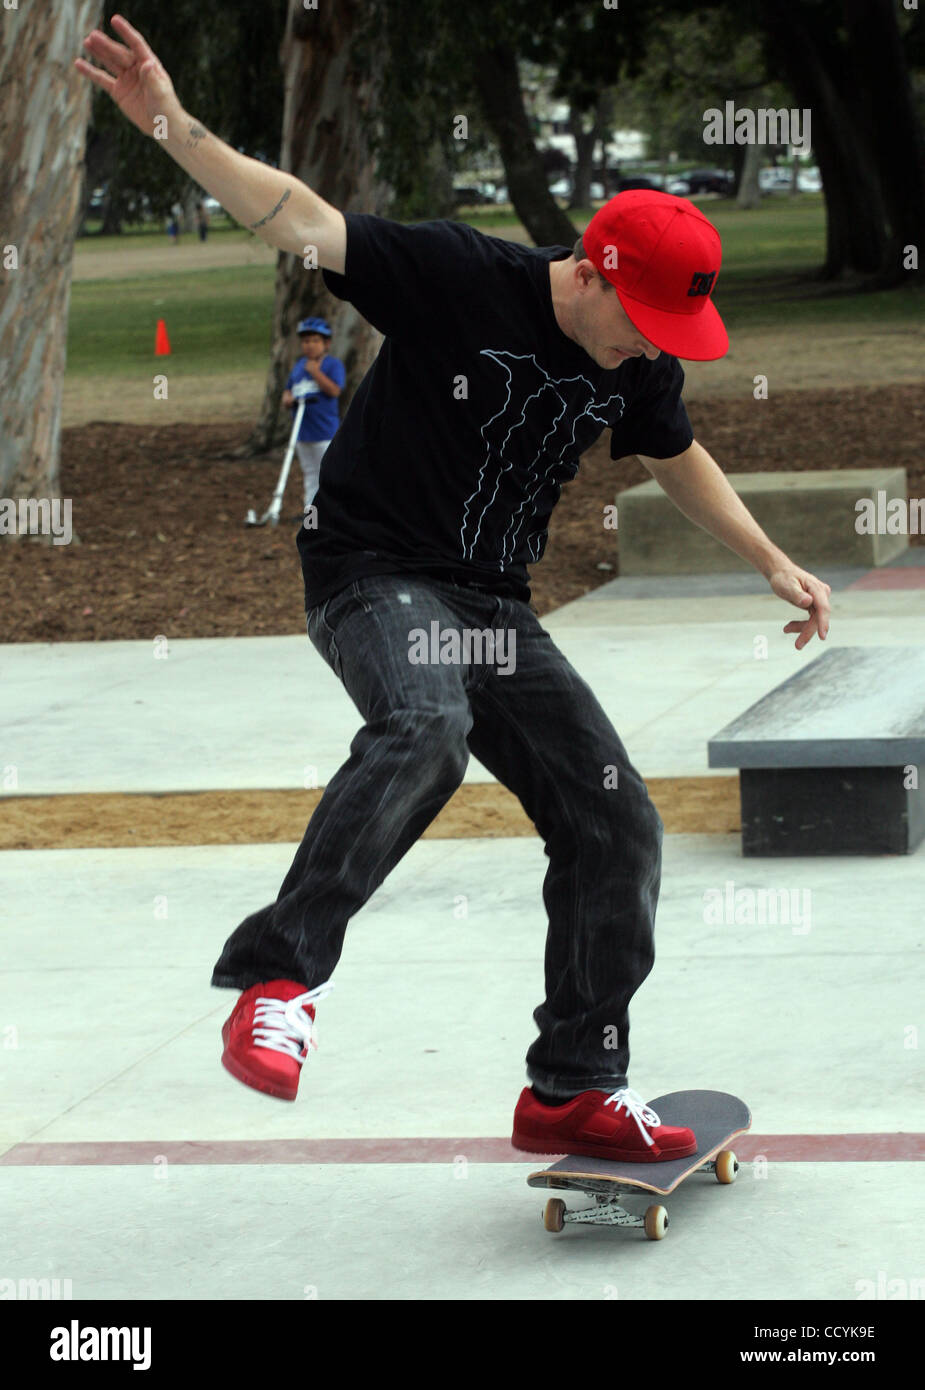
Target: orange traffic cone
(161,341)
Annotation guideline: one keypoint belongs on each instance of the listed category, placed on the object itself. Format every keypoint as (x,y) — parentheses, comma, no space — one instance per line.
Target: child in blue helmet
(320,379)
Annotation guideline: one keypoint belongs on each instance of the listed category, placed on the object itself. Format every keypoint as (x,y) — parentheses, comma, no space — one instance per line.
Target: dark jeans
(540,730)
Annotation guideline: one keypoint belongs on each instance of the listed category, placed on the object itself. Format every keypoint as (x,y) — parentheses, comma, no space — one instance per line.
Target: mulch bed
(159,513)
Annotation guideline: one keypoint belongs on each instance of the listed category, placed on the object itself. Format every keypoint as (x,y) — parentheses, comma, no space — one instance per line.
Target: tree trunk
(887,109)
(437,177)
(814,66)
(585,144)
(111,213)
(739,153)
(44,109)
(193,195)
(605,104)
(326,144)
(498,84)
(749,194)
(603,177)
(99,166)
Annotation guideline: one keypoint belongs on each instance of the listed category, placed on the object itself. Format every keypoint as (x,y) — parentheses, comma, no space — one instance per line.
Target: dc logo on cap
(701,282)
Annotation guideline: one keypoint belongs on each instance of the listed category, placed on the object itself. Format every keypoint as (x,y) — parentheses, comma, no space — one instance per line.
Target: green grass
(756,303)
(782,234)
(770,258)
(217,321)
(220,320)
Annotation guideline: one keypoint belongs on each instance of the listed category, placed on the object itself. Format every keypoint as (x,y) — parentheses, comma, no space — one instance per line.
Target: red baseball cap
(662,257)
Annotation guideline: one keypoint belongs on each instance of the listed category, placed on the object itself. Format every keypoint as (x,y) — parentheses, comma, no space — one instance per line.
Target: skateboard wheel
(726,1166)
(656,1223)
(554,1214)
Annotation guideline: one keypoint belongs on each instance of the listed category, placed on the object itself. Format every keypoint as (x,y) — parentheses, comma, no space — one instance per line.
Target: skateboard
(715,1117)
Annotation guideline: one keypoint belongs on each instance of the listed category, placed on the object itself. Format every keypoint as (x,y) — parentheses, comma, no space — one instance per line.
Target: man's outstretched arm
(278,207)
(700,489)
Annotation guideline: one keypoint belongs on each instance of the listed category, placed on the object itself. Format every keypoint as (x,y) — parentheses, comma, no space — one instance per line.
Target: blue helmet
(315,326)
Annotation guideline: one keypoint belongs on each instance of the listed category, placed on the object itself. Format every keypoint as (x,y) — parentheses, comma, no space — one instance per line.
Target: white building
(552,119)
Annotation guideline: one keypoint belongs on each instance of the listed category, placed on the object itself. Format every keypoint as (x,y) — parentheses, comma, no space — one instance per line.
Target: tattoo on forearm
(196,133)
(270,215)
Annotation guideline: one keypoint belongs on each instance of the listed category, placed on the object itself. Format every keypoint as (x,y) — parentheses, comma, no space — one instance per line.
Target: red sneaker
(268,1035)
(619,1126)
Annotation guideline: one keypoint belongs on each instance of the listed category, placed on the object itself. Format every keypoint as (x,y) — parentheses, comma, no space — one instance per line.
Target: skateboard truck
(610,1211)
(716,1119)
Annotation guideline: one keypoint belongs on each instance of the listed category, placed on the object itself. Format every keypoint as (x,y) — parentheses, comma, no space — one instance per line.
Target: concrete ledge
(831,761)
(788,811)
(851,707)
(809,515)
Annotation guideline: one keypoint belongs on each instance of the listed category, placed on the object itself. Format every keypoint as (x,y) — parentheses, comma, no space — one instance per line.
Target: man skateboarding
(501,365)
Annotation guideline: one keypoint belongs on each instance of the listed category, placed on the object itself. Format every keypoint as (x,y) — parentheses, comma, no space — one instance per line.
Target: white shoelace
(284,1027)
(634,1105)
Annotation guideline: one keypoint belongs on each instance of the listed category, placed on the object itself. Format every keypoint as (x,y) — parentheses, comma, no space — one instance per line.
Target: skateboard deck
(715,1117)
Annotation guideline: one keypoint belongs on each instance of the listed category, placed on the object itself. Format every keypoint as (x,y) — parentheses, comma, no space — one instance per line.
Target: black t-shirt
(477,409)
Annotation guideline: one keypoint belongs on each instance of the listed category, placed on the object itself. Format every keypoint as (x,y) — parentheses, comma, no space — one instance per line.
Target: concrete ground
(392,1176)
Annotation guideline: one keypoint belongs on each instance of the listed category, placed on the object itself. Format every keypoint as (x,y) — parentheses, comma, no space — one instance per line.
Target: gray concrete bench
(811,516)
(831,760)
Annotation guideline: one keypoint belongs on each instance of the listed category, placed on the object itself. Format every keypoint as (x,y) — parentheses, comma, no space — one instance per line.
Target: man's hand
(698,487)
(804,590)
(133,77)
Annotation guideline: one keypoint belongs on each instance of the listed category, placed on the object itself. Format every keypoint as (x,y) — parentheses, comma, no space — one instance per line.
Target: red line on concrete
(778,1148)
(911,578)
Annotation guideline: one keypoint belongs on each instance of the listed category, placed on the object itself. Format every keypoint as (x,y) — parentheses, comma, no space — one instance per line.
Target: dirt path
(155,258)
(822,357)
(827,355)
(193,400)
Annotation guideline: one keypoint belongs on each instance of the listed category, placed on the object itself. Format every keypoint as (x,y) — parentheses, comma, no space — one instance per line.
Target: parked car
(679,187)
(774,177)
(641,181)
(709,180)
(470,196)
(777,179)
(562,188)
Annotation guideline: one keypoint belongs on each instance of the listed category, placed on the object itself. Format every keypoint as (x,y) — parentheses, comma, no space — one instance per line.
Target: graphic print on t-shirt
(551,409)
